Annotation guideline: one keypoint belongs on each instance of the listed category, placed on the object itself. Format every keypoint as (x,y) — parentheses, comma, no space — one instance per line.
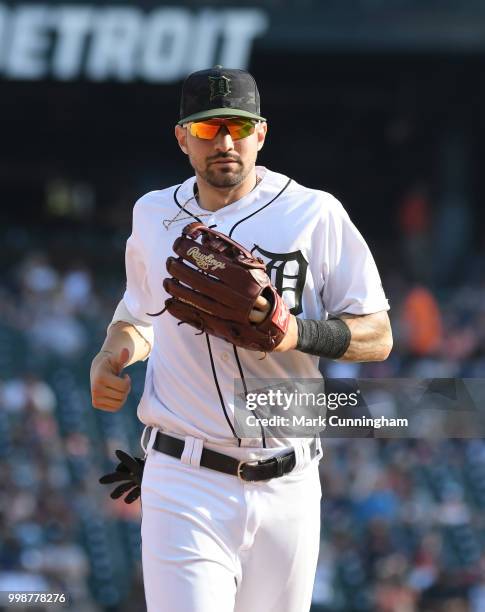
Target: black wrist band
(323,338)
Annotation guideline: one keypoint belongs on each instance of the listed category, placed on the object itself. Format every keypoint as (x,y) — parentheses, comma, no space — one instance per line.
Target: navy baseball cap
(219,92)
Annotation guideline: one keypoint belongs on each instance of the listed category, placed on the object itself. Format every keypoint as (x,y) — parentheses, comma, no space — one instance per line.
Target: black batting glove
(130,473)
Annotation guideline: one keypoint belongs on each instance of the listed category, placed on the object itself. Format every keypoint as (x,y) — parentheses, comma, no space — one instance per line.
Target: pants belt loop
(299,456)
(145,436)
(318,446)
(279,466)
(192,451)
(307,457)
(148,438)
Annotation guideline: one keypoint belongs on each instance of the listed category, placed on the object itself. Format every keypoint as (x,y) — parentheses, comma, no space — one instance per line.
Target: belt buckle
(240,466)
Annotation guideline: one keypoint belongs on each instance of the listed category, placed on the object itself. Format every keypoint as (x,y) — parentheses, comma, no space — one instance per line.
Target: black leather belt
(252,470)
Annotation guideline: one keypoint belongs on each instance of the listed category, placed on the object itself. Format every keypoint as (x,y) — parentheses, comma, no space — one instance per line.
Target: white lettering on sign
(205,35)
(239,30)
(26,55)
(166,40)
(73,26)
(123,43)
(3,33)
(112,53)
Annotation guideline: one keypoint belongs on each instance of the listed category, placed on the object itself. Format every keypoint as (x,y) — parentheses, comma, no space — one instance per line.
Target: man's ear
(181,136)
(262,128)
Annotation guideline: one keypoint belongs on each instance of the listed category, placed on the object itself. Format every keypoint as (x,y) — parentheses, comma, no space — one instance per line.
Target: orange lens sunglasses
(207,130)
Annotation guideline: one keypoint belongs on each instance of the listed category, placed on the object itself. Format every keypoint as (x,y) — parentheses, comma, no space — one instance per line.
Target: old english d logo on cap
(219,92)
(219,86)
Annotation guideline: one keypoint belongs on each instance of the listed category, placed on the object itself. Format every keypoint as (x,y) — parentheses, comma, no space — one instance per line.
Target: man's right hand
(109,389)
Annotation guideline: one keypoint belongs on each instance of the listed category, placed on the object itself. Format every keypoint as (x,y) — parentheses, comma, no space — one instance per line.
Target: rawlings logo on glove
(205,262)
(217,292)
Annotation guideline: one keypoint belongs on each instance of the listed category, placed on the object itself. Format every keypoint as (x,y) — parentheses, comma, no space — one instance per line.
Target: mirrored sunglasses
(207,130)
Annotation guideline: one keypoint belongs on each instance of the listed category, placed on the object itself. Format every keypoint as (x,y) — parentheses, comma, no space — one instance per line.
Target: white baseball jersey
(316,257)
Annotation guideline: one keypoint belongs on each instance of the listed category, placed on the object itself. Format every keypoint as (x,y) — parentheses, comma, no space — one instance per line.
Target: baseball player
(232,524)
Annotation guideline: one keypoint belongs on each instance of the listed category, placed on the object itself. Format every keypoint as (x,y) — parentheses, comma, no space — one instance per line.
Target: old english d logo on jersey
(288,273)
(219,86)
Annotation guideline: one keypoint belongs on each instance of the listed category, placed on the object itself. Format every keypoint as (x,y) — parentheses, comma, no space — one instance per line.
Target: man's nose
(223,140)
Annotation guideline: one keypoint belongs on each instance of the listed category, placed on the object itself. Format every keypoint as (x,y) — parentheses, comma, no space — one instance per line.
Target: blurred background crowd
(395,132)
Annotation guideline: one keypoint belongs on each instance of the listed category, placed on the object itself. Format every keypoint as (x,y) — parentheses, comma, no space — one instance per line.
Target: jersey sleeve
(351,281)
(144,329)
(137,297)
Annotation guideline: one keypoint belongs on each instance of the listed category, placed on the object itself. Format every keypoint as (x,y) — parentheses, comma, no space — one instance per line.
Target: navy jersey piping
(243,380)
(236,355)
(221,399)
(214,373)
(181,207)
(259,209)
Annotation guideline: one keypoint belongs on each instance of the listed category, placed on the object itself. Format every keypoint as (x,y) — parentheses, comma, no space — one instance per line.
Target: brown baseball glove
(218,290)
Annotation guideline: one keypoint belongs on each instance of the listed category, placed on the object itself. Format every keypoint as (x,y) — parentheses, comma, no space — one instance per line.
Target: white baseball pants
(211,543)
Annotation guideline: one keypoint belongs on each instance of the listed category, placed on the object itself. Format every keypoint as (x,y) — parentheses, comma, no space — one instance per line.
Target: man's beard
(220,177)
